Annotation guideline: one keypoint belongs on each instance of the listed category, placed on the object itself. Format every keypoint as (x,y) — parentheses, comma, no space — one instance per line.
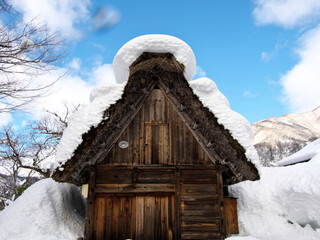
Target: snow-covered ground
(47,210)
(283,205)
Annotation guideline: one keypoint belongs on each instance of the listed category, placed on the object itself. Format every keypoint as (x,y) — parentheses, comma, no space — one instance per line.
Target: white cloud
(75,64)
(103,74)
(286,13)
(249,94)
(71,89)
(199,72)
(301,85)
(62,16)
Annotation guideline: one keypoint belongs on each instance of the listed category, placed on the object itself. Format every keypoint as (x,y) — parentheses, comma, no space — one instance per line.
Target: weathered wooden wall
(152,202)
(157,135)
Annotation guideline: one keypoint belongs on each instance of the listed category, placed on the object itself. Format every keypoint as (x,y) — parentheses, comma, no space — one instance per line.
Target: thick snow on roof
(218,104)
(46,210)
(306,153)
(88,116)
(153,43)
(102,97)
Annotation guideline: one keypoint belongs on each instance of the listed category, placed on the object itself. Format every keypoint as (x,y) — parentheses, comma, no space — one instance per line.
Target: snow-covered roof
(157,43)
(103,97)
(308,152)
(218,104)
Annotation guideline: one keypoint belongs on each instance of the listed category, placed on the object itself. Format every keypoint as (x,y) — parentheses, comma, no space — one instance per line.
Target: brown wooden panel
(115,219)
(231,215)
(200,227)
(152,140)
(199,206)
(154,176)
(99,218)
(133,188)
(108,223)
(200,235)
(120,176)
(198,176)
(198,188)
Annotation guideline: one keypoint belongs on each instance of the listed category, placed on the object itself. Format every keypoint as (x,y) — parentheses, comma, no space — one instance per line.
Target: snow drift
(46,210)
(284,204)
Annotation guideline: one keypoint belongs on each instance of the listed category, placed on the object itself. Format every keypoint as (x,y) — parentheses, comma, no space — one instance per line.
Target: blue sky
(263,55)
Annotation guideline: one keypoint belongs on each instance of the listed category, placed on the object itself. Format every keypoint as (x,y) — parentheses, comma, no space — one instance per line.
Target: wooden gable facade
(157,166)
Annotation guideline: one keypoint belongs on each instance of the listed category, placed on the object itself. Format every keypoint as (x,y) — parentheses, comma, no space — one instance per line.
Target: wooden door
(149,217)
(157,143)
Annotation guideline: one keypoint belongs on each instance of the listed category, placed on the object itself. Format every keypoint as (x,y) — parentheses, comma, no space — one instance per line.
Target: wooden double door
(145,217)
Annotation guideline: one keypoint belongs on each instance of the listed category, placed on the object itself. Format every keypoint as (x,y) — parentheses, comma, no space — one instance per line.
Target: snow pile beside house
(218,104)
(157,43)
(47,210)
(307,153)
(284,204)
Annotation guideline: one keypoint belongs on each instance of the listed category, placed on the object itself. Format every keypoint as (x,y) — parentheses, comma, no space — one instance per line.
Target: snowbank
(46,210)
(218,104)
(306,153)
(101,98)
(283,205)
(153,43)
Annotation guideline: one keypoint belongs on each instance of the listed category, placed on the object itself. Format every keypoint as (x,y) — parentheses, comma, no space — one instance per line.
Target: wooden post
(177,204)
(221,203)
(231,215)
(88,231)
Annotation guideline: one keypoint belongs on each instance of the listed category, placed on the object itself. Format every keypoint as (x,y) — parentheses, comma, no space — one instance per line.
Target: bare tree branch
(26,52)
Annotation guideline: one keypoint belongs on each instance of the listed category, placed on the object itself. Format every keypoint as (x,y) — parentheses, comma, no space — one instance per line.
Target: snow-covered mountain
(278,137)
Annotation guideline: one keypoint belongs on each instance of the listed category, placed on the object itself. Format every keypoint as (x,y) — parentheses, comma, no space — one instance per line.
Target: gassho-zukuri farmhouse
(157,151)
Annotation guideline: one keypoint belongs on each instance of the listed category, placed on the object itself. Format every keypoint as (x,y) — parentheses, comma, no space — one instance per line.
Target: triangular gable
(162,70)
(157,135)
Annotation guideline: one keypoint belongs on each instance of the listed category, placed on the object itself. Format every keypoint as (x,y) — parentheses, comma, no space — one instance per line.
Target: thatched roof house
(158,158)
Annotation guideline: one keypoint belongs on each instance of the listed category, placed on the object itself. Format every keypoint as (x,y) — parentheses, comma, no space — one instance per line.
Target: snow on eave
(101,98)
(305,154)
(157,43)
(239,127)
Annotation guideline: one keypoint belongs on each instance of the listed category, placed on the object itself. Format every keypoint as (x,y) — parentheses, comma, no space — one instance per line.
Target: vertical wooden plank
(221,203)
(157,223)
(149,217)
(186,147)
(139,217)
(122,218)
(99,218)
(177,204)
(170,144)
(231,215)
(115,218)
(133,217)
(148,144)
(136,137)
(170,217)
(164,217)
(109,218)
(162,144)
(89,221)
(141,137)
(128,211)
